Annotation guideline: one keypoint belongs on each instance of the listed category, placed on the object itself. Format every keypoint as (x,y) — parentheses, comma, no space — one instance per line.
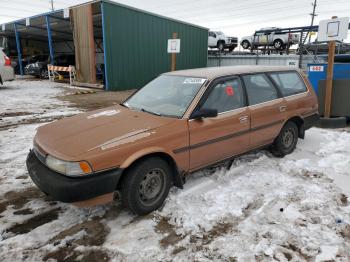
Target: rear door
(267,109)
(221,137)
(298,100)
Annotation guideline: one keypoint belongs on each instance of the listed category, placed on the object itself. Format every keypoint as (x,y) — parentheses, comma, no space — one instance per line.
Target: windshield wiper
(150,112)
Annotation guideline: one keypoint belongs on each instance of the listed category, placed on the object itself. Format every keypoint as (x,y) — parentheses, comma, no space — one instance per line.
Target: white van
(6,70)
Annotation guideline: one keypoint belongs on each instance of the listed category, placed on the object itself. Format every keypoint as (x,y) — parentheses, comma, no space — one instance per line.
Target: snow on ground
(24,101)
(262,208)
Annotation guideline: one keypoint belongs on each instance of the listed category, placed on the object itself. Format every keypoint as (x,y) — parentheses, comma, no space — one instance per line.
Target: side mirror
(204,113)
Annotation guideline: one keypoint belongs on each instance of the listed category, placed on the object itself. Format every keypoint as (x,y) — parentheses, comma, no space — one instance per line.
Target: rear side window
(289,83)
(259,89)
(226,96)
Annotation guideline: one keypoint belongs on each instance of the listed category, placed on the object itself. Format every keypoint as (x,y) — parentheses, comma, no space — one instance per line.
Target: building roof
(213,72)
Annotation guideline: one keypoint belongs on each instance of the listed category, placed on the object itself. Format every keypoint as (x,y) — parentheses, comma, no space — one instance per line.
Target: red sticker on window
(229,91)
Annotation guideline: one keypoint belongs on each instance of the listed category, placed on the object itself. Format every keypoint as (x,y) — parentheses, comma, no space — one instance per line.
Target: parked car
(178,123)
(276,39)
(6,70)
(217,39)
(39,68)
(29,60)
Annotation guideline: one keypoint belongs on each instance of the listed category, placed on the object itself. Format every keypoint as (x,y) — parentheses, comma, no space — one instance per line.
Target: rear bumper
(67,189)
(311,121)
(7,73)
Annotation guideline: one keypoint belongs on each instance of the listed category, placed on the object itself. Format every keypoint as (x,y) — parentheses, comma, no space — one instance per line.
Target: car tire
(221,46)
(245,44)
(278,44)
(44,74)
(286,141)
(334,122)
(146,185)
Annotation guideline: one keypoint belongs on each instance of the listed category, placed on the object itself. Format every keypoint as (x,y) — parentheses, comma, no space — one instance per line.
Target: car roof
(213,72)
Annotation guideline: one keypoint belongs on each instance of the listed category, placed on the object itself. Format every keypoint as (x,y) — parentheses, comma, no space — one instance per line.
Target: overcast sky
(233,17)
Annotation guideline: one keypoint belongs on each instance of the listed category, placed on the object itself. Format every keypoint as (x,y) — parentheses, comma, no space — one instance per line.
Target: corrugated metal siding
(230,60)
(136,46)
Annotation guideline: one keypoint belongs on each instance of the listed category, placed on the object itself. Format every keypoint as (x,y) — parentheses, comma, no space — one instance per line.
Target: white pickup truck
(272,38)
(6,70)
(217,39)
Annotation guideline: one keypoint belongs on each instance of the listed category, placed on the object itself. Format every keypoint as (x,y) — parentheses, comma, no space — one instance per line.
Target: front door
(223,136)
(267,109)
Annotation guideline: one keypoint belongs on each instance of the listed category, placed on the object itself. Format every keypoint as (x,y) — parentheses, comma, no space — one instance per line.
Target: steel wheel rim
(44,74)
(277,44)
(152,186)
(288,138)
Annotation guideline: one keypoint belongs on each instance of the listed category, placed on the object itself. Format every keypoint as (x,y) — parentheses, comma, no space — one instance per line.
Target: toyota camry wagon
(178,123)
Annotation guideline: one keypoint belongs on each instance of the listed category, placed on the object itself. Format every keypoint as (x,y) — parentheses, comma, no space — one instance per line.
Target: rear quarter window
(289,83)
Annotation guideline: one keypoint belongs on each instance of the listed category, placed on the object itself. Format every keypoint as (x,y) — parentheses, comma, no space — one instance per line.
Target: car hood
(72,137)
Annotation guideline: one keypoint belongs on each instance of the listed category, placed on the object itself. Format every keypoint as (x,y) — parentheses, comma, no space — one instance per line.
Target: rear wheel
(278,44)
(146,185)
(286,141)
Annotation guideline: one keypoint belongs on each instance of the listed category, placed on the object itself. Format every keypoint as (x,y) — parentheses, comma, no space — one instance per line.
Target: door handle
(243,119)
(283,108)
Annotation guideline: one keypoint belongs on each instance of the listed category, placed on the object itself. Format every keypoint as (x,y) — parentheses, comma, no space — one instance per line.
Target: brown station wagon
(178,123)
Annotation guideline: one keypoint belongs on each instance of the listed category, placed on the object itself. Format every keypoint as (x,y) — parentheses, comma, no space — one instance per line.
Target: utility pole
(313,14)
(52,9)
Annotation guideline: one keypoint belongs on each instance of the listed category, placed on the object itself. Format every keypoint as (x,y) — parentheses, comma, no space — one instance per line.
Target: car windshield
(166,95)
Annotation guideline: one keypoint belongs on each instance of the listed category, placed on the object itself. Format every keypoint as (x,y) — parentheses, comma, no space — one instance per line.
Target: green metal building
(127,46)
(135,45)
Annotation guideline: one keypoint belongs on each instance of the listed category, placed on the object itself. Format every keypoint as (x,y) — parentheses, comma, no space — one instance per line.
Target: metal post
(18,44)
(301,49)
(49,37)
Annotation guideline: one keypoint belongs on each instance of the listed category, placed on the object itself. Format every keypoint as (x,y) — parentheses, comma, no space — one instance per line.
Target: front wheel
(245,44)
(221,46)
(146,185)
(44,74)
(286,141)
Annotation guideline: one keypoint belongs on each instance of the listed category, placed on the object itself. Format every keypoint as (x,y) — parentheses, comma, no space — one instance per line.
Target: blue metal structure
(104,48)
(49,37)
(317,72)
(19,51)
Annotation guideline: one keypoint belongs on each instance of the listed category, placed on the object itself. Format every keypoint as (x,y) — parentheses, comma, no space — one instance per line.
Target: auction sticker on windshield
(194,80)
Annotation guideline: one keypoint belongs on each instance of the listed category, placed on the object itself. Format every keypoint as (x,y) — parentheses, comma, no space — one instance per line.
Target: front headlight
(73,169)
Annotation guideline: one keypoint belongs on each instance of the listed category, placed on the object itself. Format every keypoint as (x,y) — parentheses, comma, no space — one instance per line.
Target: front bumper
(32,71)
(67,189)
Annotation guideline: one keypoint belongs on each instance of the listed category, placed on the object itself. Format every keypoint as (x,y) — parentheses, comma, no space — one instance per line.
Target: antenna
(52,9)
